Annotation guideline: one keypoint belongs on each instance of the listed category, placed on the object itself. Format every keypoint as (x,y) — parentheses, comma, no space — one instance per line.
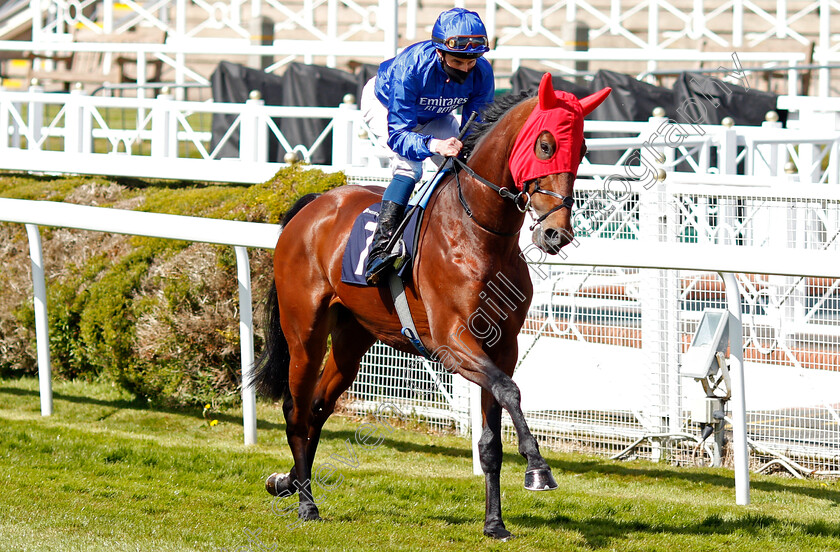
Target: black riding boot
(379,259)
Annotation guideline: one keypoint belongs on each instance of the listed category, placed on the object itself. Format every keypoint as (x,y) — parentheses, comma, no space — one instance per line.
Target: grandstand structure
(652,39)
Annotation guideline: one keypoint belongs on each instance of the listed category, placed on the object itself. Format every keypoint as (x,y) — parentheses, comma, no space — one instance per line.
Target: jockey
(411,103)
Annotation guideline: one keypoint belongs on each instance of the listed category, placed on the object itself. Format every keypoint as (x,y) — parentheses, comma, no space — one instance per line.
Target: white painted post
(5,106)
(108,17)
(698,21)
(180,35)
(766,156)
(653,298)
(781,18)
(42,330)
(342,133)
(738,402)
(253,131)
(388,20)
(35,120)
(246,345)
(475,423)
(411,21)
(164,127)
(728,150)
(37,20)
(74,135)
(737,23)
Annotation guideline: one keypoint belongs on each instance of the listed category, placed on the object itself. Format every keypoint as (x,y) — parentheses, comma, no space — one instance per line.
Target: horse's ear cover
(561,114)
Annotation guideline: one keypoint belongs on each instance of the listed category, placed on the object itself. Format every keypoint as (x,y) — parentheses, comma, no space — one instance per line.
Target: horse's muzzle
(551,240)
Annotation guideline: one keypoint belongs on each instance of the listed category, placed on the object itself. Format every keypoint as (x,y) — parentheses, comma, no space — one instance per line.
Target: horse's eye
(545,146)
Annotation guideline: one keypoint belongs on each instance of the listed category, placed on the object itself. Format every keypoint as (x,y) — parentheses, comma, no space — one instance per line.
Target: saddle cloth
(361,237)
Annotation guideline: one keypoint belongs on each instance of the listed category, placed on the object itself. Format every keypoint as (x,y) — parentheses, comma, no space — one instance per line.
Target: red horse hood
(561,114)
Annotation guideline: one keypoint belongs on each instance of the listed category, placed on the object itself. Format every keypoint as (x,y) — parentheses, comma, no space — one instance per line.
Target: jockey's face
(461,64)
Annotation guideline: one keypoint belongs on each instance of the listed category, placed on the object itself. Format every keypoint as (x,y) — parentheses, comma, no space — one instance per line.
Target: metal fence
(600,354)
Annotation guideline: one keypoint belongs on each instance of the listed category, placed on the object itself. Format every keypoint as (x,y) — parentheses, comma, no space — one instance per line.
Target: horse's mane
(490,115)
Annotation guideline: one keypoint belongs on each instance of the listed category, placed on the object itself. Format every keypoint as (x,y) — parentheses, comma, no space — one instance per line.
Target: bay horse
(524,156)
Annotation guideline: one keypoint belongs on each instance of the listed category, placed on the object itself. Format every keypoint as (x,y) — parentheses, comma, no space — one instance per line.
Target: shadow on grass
(719,480)
(138,404)
(514,461)
(602,532)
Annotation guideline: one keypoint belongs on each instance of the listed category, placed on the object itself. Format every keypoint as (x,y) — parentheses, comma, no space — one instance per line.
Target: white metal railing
(663,259)
(240,235)
(630,324)
(78,133)
(512,22)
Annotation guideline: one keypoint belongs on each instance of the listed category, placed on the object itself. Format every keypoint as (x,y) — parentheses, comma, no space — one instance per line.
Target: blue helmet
(461,33)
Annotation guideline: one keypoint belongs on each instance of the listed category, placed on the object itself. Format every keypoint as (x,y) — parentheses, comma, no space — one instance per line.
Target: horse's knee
(506,392)
(490,451)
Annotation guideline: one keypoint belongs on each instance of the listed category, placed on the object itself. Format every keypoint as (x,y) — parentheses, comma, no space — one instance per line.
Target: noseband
(521,200)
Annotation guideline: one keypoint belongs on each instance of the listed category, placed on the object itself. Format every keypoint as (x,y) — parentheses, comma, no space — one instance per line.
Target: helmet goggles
(463,43)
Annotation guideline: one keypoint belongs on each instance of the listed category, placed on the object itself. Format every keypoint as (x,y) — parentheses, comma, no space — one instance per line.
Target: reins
(521,200)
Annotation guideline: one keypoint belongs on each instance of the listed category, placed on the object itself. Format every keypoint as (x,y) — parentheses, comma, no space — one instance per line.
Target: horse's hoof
(498,533)
(279,483)
(309,514)
(540,480)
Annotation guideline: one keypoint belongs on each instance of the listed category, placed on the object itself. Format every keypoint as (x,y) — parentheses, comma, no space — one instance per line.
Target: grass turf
(107,473)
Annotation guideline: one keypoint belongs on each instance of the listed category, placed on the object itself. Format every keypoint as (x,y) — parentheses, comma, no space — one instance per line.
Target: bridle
(521,200)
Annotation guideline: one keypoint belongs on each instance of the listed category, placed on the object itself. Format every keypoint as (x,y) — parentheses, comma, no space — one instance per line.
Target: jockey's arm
(402,118)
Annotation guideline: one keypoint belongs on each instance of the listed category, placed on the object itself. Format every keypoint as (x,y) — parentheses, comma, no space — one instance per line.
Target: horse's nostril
(552,237)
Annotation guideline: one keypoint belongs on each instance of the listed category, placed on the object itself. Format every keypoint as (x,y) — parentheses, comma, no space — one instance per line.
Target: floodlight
(711,337)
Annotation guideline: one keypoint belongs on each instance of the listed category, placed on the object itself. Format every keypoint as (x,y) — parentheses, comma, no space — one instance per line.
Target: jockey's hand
(447,148)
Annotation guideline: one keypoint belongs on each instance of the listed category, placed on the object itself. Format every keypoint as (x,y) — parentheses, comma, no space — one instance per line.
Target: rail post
(253,131)
(246,344)
(164,128)
(342,143)
(35,120)
(42,331)
(738,401)
(77,124)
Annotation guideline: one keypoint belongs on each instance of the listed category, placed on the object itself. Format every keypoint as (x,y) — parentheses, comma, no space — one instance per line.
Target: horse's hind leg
(307,340)
(350,341)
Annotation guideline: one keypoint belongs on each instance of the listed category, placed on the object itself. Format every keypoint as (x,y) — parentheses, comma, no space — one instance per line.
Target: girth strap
(397,287)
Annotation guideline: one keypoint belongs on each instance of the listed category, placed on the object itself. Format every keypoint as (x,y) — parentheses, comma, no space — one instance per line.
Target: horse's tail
(271,369)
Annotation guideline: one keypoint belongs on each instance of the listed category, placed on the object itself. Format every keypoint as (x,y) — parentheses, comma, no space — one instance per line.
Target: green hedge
(158,317)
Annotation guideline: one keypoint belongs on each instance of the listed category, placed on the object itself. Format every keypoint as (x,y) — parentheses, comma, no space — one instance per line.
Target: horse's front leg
(480,370)
(490,456)
(537,475)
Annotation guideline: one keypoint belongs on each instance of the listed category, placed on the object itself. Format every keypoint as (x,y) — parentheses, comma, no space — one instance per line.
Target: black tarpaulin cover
(707,100)
(529,79)
(232,83)
(300,85)
(630,100)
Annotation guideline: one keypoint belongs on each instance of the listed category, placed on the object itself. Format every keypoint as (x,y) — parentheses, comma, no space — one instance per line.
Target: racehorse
(524,157)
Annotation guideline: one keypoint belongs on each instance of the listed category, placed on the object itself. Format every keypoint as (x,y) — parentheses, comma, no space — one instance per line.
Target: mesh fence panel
(601,349)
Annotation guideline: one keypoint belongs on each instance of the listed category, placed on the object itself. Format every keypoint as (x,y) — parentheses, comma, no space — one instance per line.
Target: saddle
(406,246)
